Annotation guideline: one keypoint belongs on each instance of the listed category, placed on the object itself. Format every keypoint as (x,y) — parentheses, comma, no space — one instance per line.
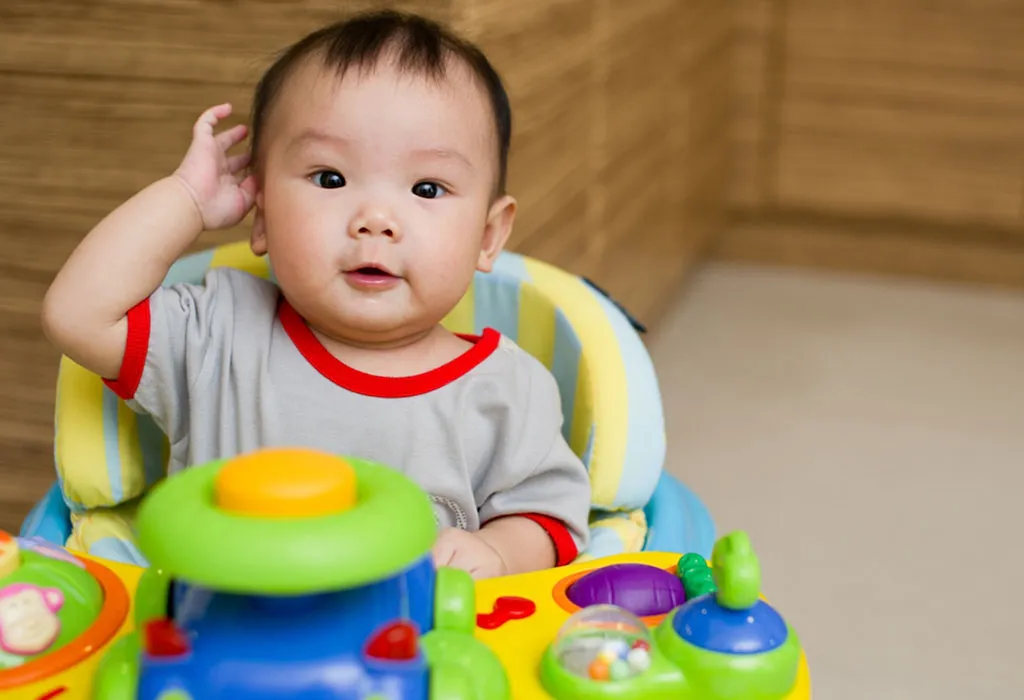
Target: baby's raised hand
(470,552)
(222,193)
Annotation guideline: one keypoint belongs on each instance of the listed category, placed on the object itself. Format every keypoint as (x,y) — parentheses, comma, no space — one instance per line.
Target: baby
(377,179)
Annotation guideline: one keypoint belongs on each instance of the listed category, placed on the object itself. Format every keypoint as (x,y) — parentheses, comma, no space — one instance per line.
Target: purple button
(639,588)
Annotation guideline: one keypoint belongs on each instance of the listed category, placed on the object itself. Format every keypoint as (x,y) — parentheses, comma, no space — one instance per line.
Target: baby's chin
(377,330)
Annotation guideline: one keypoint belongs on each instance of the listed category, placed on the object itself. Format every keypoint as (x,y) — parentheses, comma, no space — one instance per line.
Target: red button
(395,642)
(163,638)
(506,608)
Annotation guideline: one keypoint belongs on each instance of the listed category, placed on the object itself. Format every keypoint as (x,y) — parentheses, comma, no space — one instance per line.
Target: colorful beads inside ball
(638,659)
(599,670)
(620,670)
(614,649)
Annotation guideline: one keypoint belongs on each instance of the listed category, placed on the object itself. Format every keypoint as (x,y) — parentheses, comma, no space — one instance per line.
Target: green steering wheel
(183,531)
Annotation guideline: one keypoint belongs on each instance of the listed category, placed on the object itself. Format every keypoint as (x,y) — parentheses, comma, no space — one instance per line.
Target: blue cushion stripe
(118,550)
(151,440)
(496,304)
(565,365)
(190,269)
(111,447)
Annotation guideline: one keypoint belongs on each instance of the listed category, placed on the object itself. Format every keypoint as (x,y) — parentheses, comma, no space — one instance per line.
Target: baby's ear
(498,228)
(258,235)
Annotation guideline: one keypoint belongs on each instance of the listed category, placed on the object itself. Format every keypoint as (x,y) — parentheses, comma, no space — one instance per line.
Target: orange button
(286,483)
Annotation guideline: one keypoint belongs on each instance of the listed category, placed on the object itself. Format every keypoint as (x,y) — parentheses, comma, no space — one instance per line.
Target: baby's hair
(418,45)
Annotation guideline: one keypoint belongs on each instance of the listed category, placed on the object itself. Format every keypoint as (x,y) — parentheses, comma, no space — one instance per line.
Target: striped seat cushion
(108,455)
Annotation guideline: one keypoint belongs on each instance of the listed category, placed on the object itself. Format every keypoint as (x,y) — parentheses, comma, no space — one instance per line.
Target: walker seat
(107,456)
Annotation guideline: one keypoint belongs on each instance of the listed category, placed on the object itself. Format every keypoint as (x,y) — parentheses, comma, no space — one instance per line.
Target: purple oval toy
(639,588)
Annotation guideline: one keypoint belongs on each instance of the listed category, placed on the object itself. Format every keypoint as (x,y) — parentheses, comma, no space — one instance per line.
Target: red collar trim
(371,384)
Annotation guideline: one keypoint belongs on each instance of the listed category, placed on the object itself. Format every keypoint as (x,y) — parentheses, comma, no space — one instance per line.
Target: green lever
(736,571)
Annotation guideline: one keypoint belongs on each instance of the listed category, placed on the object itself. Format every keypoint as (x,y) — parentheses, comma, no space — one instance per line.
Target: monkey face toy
(28,618)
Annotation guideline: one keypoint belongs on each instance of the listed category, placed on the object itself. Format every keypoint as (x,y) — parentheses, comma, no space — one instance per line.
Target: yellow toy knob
(286,483)
(10,557)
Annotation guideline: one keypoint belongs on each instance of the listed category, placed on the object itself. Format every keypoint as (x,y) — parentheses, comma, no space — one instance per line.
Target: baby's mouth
(371,276)
(372,271)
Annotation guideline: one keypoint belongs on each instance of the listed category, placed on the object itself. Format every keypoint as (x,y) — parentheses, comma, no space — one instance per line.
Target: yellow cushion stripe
(460,319)
(583,417)
(93,526)
(80,442)
(632,530)
(239,255)
(601,358)
(536,324)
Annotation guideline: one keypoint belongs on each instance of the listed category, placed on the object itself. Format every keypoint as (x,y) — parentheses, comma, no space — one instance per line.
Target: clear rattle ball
(604,643)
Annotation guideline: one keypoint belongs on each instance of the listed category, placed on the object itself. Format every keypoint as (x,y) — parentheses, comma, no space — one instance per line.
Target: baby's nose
(377,229)
(374,221)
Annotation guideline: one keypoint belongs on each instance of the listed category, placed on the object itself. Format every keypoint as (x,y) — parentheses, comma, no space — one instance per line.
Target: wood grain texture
(893,248)
(878,118)
(666,181)
(756,77)
(619,151)
(904,107)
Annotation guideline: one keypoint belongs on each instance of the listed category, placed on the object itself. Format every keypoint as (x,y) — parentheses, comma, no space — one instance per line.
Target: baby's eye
(428,190)
(328,179)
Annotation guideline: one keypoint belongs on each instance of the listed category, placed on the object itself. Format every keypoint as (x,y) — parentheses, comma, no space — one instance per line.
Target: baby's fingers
(232,136)
(209,119)
(237,163)
(444,550)
(248,189)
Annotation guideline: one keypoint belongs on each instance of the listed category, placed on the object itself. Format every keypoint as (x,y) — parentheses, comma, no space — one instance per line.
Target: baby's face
(376,203)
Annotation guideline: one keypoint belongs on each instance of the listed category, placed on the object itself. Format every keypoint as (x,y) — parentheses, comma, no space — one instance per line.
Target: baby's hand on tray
(468,551)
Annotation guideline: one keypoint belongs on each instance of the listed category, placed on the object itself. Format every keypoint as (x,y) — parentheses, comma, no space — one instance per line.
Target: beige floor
(869,435)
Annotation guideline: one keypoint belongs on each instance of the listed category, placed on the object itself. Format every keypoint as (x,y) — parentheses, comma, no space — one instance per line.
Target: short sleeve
(172,336)
(537,475)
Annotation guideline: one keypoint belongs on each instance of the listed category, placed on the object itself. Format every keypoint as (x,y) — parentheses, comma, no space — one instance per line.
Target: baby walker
(319,584)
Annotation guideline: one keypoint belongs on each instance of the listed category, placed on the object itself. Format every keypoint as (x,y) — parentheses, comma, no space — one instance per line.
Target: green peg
(695,575)
(736,571)
(689,562)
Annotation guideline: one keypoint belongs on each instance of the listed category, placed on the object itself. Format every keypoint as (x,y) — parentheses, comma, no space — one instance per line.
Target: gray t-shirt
(229,366)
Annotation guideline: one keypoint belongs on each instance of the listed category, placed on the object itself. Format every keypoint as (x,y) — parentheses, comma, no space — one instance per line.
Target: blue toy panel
(307,647)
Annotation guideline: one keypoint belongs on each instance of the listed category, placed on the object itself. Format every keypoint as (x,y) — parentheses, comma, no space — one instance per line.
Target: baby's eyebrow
(311,134)
(444,154)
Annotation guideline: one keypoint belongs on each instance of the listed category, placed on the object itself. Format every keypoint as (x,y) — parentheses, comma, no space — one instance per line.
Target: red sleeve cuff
(135,348)
(565,547)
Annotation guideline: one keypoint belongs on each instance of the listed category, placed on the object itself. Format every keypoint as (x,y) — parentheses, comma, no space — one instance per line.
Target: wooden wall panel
(884,121)
(905,108)
(617,160)
(755,84)
(665,143)
(544,53)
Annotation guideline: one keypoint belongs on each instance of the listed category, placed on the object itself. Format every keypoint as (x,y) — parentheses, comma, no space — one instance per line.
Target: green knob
(736,570)
(690,562)
(701,590)
(696,576)
(695,580)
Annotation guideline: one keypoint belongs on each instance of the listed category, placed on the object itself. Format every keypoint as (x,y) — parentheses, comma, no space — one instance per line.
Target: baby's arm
(127,255)
(521,543)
